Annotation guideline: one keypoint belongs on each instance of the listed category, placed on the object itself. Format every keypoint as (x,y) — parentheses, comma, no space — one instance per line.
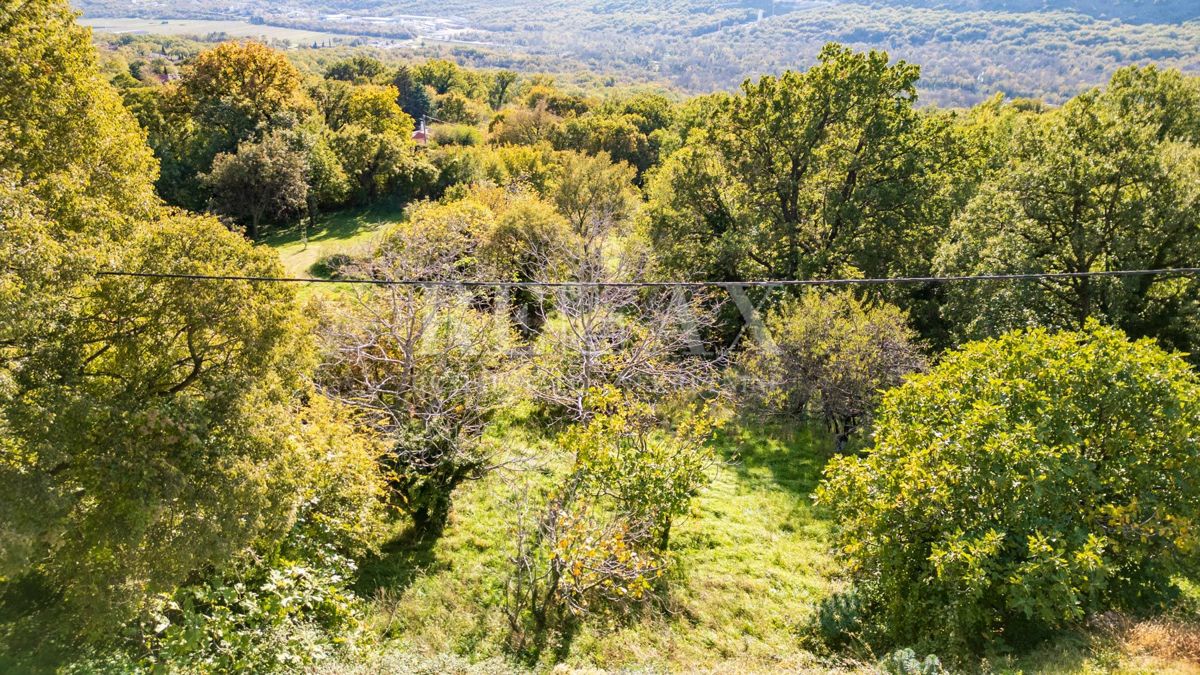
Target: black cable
(1178,271)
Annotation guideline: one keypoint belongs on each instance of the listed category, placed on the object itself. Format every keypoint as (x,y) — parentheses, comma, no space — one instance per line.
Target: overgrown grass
(750,562)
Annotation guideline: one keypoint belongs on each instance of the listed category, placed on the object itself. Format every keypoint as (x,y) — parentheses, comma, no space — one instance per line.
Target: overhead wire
(771,283)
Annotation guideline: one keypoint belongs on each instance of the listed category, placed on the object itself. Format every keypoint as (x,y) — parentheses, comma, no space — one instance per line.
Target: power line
(1033,276)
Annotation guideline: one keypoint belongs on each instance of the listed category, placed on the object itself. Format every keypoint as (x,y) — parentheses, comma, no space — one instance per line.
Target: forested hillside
(1131,11)
(969,50)
(347,360)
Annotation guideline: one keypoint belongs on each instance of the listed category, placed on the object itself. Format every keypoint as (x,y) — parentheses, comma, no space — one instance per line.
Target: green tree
(265,181)
(831,356)
(524,126)
(1021,485)
(808,173)
(239,90)
(411,95)
(376,164)
(374,107)
(500,89)
(594,194)
(1108,182)
(439,74)
(358,69)
(454,108)
(616,135)
(67,136)
(231,93)
(144,423)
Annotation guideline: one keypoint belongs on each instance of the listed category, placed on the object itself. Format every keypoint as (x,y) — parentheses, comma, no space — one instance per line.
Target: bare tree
(609,331)
(427,368)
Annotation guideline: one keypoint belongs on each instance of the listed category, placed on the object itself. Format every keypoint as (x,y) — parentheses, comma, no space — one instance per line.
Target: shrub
(839,620)
(457,134)
(830,355)
(602,542)
(906,662)
(650,476)
(331,266)
(1022,484)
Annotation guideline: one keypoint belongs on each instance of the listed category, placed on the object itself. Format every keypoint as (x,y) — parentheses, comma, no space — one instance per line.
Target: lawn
(348,231)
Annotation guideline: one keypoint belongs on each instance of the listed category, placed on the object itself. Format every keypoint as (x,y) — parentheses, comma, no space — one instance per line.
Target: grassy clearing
(750,561)
(349,232)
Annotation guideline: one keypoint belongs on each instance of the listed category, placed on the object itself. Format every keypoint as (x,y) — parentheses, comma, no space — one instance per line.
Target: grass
(351,231)
(750,562)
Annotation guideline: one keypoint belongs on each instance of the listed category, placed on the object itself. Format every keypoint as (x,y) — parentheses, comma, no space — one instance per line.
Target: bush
(457,134)
(1021,485)
(331,266)
(906,662)
(839,621)
(830,355)
(602,542)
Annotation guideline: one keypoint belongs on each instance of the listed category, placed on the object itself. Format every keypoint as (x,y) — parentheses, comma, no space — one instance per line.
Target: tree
(439,74)
(595,195)
(77,143)
(524,126)
(833,355)
(1108,182)
(1023,484)
(808,173)
(144,422)
(264,181)
(427,368)
(138,434)
(232,93)
(374,107)
(412,96)
(500,90)
(618,136)
(328,184)
(375,163)
(358,69)
(454,108)
(238,90)
(612,335)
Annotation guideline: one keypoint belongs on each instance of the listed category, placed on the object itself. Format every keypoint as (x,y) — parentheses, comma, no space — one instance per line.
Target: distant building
(421,135)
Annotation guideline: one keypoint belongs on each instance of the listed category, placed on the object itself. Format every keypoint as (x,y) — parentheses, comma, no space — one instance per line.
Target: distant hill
(1132,11)
(968,49)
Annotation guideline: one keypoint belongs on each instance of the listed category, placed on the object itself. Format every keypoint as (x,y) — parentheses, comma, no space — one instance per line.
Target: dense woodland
(968,49)
(510,450)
